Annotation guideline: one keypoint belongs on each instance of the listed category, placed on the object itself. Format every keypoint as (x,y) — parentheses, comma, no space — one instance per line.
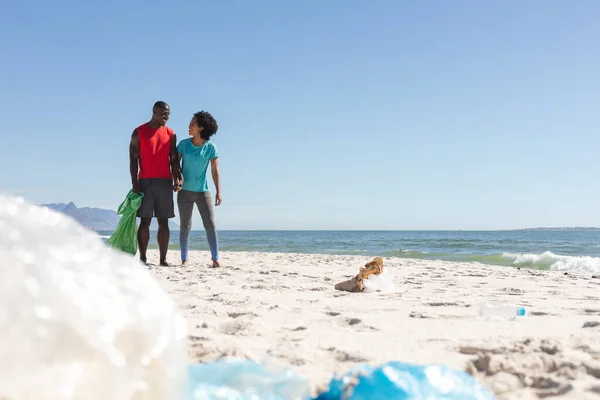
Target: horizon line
(393,230)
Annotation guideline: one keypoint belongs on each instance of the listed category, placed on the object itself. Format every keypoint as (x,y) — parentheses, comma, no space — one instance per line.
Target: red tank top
(155,149)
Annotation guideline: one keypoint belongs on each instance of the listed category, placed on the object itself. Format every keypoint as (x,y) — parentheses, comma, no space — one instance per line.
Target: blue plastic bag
(245,380)
(400,381)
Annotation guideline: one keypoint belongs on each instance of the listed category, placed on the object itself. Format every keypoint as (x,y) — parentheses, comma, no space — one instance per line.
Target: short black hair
(206,121)
(160,104)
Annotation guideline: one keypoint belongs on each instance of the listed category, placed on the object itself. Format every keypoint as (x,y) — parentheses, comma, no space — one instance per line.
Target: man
(154,168)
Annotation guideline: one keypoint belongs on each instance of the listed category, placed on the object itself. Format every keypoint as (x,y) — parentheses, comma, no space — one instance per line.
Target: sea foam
(554,262)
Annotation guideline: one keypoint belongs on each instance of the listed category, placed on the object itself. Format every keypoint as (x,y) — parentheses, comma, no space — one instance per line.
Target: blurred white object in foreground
(79,320)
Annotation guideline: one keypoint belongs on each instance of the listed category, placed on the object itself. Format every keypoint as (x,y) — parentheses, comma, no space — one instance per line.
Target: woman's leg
(185,204)
(205,207)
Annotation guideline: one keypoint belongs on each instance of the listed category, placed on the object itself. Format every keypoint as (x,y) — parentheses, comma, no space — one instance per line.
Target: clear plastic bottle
(501,311)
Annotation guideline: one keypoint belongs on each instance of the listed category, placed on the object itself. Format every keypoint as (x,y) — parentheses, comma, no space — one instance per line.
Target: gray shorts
(158,198)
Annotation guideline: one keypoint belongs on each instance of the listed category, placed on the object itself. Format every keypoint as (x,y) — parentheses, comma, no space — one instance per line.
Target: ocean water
(563,250)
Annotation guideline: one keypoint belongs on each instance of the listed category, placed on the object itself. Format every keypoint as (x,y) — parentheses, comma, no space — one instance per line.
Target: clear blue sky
(333,114)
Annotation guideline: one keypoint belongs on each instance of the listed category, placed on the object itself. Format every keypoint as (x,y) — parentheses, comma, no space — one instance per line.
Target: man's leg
(164,209)
(185,204)
(145,212)
(143,237)
(205,208)
(163,236)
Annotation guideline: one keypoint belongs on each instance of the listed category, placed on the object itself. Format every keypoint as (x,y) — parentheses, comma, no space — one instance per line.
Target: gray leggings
(185,202)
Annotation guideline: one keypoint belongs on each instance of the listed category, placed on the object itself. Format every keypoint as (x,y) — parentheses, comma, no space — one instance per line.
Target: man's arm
(134,155)
(214,169)
(175,167)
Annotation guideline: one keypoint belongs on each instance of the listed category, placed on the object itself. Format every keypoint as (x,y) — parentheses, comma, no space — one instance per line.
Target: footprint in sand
(258,287)
(298,329)
(358,324)
(594,389)
(512,291)
(197,338)
(444,304)
(343,356)
(234,327)
(509,369)
(216,297)
(241,314)
(590,324)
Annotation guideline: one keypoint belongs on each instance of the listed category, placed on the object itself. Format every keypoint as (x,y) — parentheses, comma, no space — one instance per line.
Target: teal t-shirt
(195,160)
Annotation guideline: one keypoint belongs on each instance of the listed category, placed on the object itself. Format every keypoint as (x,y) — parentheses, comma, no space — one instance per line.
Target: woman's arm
(214,169)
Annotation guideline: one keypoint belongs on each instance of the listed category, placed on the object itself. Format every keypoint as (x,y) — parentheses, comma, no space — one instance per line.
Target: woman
(196,153)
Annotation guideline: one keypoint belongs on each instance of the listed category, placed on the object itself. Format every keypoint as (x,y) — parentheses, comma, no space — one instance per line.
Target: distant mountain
(97,219)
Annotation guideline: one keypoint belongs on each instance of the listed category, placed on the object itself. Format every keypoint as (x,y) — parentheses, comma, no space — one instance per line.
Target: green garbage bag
(125,236)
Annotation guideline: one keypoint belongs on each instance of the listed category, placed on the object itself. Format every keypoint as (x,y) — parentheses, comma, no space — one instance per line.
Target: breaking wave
(546,260)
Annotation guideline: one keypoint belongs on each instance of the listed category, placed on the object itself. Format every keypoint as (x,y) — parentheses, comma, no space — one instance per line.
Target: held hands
(177,185)
(218,199)
(177,179)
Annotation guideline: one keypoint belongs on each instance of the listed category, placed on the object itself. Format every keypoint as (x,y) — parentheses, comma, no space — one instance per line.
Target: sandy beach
(284,307)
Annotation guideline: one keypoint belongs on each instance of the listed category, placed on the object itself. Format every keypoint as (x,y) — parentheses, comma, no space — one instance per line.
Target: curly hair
(206,121)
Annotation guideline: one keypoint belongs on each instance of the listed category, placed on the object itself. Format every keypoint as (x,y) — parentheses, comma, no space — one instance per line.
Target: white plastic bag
(79,320)
(384,282)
